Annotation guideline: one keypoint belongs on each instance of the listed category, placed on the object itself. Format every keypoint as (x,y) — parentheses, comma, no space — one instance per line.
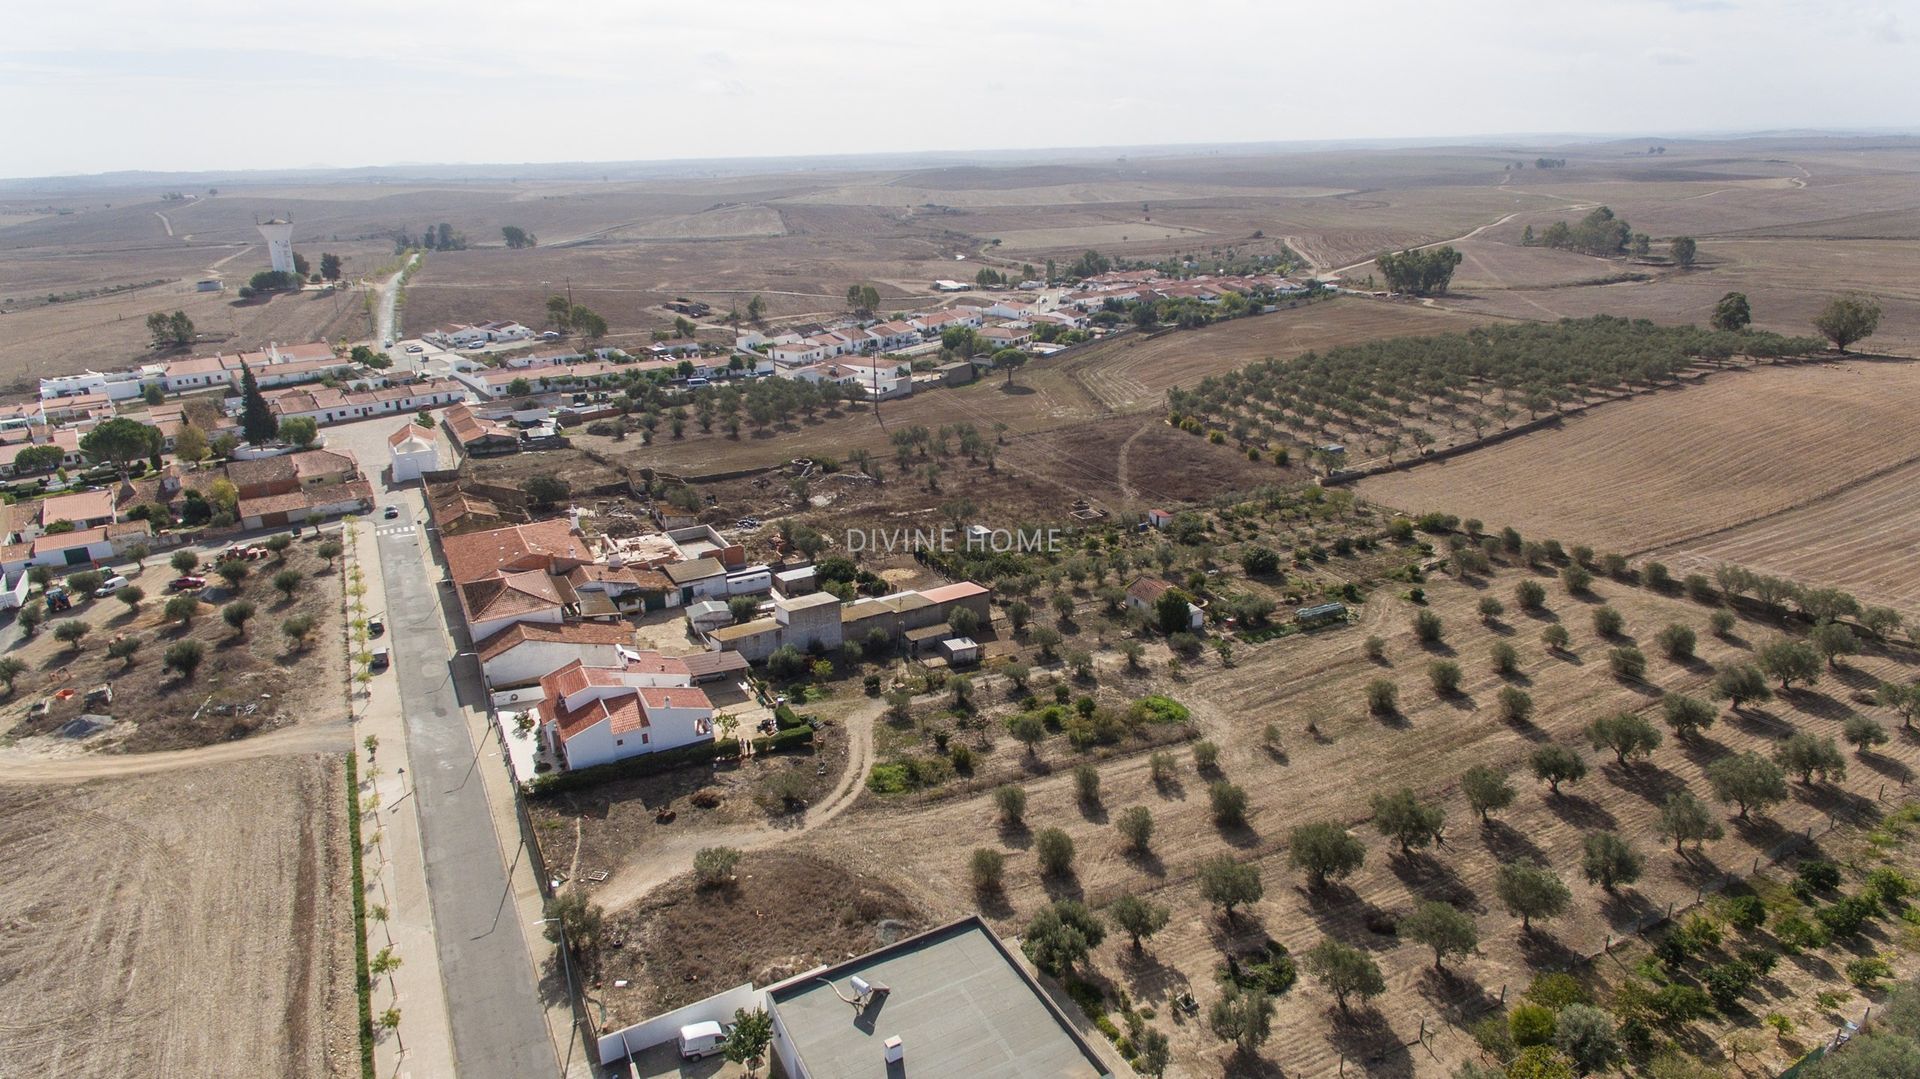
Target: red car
(187,584)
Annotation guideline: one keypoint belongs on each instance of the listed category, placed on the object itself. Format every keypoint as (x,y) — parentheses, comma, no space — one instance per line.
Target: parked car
(381,657)
(111,585)
(187,584)
(550,335)
(699,1040)
(376,626)
(392,512)
(415,348)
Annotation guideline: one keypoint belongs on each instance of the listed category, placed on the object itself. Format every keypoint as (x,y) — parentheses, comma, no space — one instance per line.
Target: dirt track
(192,924)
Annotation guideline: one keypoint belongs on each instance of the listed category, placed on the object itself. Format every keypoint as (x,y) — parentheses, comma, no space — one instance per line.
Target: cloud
(1669,57)
(1884,26)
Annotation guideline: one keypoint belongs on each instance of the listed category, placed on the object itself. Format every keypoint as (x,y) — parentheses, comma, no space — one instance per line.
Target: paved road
(499,1027)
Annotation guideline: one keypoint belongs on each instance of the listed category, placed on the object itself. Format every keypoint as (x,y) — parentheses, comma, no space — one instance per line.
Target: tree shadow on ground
(1364,1037)
(1460,1000)
(1650,782)
(1507,843)
(1543,950)
(1886,766)
(1430,877)
(1582,812)
(1628,910)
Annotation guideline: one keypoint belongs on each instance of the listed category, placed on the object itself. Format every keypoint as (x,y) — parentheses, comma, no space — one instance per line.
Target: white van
(701,1040)
(111,585)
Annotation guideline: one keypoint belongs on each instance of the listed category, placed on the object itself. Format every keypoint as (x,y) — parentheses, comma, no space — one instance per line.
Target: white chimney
(896,1050)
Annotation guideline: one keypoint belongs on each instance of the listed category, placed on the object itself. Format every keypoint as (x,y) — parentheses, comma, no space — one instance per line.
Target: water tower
(279,237)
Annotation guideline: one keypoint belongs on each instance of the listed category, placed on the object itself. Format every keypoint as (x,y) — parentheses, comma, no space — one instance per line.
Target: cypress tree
(256,420)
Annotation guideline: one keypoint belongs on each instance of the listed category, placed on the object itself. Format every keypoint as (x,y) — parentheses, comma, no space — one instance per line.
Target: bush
(184,658)
(1229,804)
(1607,622)
(713,866)
(1428,628)
(1053,849)
(1206,757)
(1577,579)
(1627,662)
(1677,641)
(1555,637)
(1530,1024)
(1383,697)
(1136,828)
(1011,801)
(986,867)
(1506,659)
(1721,622)
(1529,595)
(1657,577)
(1515,706)
(1445,676)
(1376,648)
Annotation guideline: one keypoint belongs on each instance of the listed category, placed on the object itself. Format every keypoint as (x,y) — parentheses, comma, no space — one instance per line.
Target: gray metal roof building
(959,1003)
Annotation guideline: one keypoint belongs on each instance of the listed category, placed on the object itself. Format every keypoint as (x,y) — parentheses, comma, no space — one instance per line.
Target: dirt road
(674,854)
(18,768)
(390,302)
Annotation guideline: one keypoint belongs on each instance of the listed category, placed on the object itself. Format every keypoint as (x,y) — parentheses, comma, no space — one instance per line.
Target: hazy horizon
(211,86)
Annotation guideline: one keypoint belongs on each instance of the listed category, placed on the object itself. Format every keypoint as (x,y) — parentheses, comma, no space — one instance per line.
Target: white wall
(639,1037)
(532,660)
(480,631)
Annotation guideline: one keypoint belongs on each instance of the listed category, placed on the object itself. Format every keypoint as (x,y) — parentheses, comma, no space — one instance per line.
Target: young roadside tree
(1554,765)
(1748,781)
(1627,734)
(1686,716)
(1326,851)
(1739,684)
(1135,824)
(1442,927)
(1848,317)
(1864,733)
(1790,661)
(1611,861)
(1227,883)
(1402,817)
(1531,890)
(1486,789)
(1808,755)
(1243,1017)
(1138,918)
(1346,971)
(1062,934)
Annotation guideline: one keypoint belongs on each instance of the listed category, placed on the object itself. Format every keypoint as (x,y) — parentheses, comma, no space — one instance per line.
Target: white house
(889,336)
(598,715)
(114,385)
(525,652)
(413,451)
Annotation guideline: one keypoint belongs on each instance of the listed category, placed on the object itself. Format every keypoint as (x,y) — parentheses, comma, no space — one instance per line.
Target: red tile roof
(947,593)
(515,547)
(578,633)
(674,697)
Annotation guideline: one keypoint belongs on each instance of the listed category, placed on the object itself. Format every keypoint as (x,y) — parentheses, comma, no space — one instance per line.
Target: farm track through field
(21,769)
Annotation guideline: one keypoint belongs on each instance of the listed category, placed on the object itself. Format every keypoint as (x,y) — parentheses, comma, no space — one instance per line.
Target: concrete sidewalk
(395,864)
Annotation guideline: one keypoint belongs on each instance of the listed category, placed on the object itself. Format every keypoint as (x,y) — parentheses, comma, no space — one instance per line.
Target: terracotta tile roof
(1148,589)
(655,663)
(286,503)
(674,697)
(310,464)
(77,507)
(515,547)
(622,713)
(577,633)
(65,540)
(947,593)
(709,664)
(510,595)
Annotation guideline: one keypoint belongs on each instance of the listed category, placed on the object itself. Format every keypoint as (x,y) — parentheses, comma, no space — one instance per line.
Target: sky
(195,85)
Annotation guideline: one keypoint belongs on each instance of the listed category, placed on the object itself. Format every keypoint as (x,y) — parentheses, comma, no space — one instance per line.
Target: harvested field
(1655,471)
(1860,538)
(193,923)
(1331,772)
(784,914)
